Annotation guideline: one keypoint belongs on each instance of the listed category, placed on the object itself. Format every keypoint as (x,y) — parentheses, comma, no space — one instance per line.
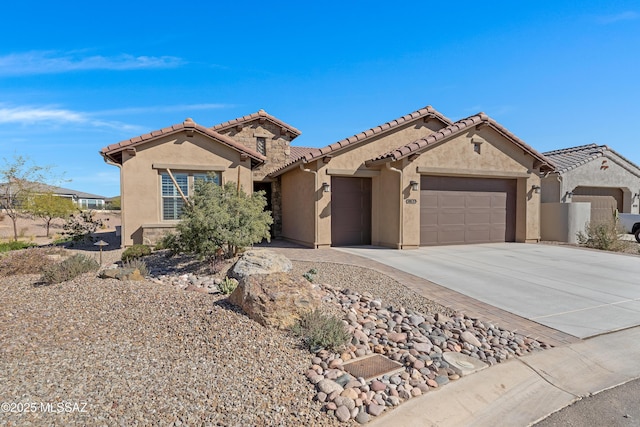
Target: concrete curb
(528,389)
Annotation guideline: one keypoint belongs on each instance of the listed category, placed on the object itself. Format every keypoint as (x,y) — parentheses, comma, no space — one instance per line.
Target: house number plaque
(411,201)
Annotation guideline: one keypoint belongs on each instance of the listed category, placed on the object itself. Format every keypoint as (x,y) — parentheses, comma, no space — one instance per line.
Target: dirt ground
(34,229)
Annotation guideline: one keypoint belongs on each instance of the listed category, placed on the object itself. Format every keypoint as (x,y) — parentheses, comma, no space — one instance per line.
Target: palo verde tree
(48,207)
(19,180)
(220,219)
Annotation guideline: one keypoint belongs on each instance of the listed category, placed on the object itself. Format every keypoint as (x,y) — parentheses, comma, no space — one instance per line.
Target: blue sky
(77,76)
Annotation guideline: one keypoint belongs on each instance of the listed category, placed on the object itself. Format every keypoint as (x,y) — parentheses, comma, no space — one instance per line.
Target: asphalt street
(619,406)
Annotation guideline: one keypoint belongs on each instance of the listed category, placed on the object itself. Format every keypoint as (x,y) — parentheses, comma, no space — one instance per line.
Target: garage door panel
(451,218)
(478,217)
(451,201)
(466,210)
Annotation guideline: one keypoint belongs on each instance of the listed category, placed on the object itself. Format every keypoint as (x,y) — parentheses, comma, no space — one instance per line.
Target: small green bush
(15,246)
(135,252)
(68,269)
(228,285)
(139,264)
(319,330)
(310,275)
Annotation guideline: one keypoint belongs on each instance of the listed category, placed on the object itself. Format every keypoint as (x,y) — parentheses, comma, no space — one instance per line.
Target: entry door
(350,211)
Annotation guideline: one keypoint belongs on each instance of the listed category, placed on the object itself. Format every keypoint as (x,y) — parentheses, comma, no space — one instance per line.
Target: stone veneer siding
(277,145)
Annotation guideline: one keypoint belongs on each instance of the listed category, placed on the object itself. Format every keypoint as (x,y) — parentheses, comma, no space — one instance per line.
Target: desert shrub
(80,226)
(220,219)
(69,268)
(319,330)
(310,275)
(15,245)
(135,251)
(228,285)
(137,263)
(28,261)
(603,235)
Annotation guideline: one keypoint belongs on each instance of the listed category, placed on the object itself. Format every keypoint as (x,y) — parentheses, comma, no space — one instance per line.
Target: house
(420,179)
(417,180)
(591,182)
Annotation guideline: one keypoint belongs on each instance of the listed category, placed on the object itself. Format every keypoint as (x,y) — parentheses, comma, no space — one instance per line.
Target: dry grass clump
(28,261)
(69,269)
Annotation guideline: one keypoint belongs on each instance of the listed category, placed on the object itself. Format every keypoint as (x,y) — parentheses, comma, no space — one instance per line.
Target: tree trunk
(15,228)
(48,224)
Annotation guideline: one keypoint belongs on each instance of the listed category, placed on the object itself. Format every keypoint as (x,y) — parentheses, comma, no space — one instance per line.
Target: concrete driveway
(580,292)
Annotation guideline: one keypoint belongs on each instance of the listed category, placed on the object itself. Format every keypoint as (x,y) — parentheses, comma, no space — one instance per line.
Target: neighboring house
(81,199)
(417,180)
(595,174)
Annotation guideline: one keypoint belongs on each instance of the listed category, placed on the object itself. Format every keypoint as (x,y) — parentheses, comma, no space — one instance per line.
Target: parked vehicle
(630,223)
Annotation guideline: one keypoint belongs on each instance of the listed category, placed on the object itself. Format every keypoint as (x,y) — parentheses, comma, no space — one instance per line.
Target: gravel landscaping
(140,353)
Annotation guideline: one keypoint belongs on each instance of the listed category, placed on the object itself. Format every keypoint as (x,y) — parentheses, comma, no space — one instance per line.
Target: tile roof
(570,158)
(316,153)
(113,150)
(253,116)
(297,152)
(452,130)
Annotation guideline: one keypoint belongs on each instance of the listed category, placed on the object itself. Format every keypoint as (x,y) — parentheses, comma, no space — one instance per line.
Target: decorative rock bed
(418,341)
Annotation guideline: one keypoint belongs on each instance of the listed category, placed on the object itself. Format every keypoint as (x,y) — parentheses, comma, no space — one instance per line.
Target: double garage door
(456,210)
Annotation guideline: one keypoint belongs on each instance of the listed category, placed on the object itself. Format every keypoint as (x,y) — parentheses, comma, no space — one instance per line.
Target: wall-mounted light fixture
(535,189)
(635,196)
(414,185)
(569,194)
(326,187)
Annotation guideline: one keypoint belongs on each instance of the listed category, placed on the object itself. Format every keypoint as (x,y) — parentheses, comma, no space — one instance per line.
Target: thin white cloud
(52,116)
(623,16)
(52,62)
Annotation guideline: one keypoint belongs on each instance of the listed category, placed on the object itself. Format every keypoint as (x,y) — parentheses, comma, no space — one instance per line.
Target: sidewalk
(525,390)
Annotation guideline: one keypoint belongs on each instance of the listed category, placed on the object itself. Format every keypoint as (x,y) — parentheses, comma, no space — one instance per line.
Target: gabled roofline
(188,125)
(600,151)
(454,129)
(427,112)
(261,114)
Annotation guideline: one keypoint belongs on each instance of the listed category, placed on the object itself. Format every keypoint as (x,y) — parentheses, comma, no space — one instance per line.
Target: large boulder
(260,261)
(275,300)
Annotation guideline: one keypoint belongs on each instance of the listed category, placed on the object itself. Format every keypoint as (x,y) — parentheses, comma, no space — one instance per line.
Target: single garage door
(604,201)
(457,210)
(350,211)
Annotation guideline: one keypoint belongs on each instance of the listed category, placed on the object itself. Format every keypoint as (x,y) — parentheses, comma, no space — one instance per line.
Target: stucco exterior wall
(140,176)
(607,171)
(350,162)
(299,191)
(277,144)
(561,222)
(386,209)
